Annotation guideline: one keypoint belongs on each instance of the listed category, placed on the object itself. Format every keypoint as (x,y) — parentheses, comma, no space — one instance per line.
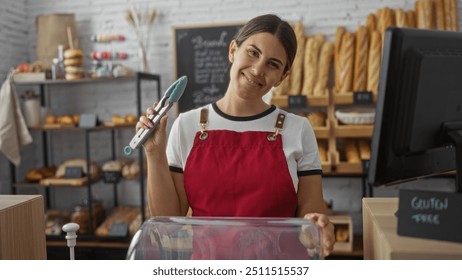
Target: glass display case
(218,238)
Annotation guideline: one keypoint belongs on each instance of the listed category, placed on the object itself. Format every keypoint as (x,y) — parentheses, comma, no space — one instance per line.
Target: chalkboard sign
(428,214)
(201,53)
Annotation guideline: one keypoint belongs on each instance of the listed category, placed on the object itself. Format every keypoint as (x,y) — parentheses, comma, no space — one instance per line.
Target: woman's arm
(165,189)
(311,206)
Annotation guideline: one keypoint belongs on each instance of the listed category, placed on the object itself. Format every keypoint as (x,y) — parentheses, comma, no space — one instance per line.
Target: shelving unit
(87,182)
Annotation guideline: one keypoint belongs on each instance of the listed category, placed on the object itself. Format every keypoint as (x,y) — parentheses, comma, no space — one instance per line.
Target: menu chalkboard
(201,53)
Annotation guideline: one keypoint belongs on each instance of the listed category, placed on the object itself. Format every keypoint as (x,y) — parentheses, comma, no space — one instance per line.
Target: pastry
(361,54)
(73,53)
(66,120)
(50,119)
(117,119)
(129,118)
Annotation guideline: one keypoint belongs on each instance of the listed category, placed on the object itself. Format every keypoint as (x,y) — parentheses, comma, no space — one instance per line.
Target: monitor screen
(419,106)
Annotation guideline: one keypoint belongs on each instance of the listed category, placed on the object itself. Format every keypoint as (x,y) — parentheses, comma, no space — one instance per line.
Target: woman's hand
(157,141)
(327,231)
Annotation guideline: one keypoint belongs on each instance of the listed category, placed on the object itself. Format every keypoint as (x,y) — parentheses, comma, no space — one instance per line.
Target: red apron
(237,174)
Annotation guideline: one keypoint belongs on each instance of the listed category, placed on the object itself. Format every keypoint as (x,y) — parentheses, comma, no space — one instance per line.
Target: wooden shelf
(356,131)
(282,101)
(345,98)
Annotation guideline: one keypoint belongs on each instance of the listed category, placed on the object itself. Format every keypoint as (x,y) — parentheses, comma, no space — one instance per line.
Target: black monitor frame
(418,123)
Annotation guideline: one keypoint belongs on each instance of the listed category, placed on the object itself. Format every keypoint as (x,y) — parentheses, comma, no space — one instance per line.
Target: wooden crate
(343,229)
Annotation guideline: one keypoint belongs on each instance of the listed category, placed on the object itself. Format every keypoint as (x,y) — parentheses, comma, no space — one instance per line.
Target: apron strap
(204,119)
(277,127)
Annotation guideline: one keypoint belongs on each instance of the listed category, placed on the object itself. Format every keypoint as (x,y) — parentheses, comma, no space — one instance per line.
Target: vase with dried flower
(142,20)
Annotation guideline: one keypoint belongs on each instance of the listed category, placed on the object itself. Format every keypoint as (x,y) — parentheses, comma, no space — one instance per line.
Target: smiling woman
(239,156)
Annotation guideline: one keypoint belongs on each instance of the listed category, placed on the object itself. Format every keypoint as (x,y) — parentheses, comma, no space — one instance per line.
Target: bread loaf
(346,61)
(322,147)
(374,60)
(371,23)
(364,149)
(400,17)
(340,31)
(387,20)
(317,119)
(297,66)
(451,15)
(351,151)
(325,61)
(311,64)
(410,19)
(361,54)
(424,14)
(439,14)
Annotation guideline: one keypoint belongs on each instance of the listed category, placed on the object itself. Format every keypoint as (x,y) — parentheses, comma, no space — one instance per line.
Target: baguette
(347,53)
(374,60)
(454,15)
(325,60)
(311,64)
(361,54)
(297,67)
(371,23)
(424,12)
(439,15)
(411,19)
(340,31)
(400,17)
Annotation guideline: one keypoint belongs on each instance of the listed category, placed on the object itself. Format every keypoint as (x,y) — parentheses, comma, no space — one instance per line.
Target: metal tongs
(171,96)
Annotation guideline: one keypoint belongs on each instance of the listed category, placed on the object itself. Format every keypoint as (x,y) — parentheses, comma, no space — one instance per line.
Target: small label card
(118,230)
(73,172)
(296,101)
(362,97)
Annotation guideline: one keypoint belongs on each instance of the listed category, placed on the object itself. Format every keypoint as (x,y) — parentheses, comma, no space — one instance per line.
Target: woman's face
(257,65)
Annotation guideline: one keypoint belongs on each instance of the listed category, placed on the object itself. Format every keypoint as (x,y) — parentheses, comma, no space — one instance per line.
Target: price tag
(88,120)
(112,176)
(296,101)
(118,230)
(362,97)
(365,166)
(73,172)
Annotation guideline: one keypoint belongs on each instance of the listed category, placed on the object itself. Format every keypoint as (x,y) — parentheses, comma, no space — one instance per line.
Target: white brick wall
(17,43)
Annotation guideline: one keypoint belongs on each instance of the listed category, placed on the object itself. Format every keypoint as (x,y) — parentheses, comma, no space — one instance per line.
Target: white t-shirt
(299,142)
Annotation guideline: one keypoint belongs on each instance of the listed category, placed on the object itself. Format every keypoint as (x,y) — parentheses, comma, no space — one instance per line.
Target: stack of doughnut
(73,61)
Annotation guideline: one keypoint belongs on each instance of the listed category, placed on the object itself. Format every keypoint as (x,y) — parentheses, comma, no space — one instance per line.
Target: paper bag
(51,32)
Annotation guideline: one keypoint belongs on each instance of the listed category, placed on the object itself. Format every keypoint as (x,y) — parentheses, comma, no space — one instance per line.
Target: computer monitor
(418,124)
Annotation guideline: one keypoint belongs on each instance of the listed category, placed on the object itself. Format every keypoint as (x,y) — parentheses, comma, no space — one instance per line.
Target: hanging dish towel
(13,128)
